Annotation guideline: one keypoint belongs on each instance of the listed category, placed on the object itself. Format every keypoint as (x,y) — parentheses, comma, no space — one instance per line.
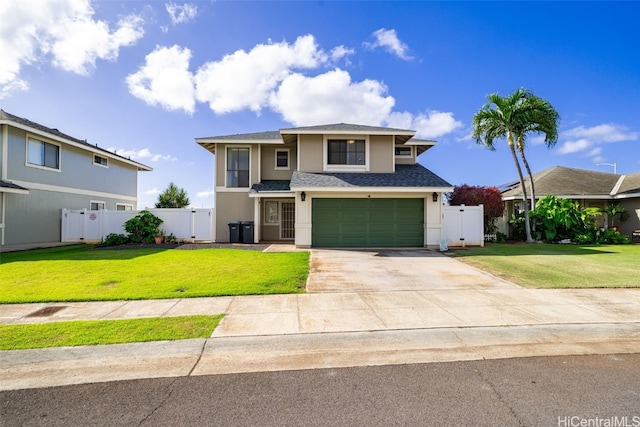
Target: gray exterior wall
(35,217)
(632,223)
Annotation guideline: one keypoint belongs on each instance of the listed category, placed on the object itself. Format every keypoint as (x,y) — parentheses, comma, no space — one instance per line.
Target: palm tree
(543,118)
(506,117)
(173,197)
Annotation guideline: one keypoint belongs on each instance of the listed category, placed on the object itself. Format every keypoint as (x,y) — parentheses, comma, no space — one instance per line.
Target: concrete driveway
(334,270)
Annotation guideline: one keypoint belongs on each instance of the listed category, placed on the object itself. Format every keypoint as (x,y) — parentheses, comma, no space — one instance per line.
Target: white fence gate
(92,226)
(463,225)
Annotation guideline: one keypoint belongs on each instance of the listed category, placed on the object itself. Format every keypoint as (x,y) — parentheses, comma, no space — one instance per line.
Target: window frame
(43,166)
(125,206)
(226,168)
(97,202)
(346,167)
(283,150)
(106,160)
(403,156)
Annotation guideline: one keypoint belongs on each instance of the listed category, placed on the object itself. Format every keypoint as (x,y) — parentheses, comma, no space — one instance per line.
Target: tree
(173,197)
(489,197)
(543,119)
(508,117)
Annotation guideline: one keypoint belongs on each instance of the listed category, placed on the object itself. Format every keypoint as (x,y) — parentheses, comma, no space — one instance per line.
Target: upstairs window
(346,152)
(282,159)
(100,161)
(403,151)
(237,167)
(96,206)
(40,153)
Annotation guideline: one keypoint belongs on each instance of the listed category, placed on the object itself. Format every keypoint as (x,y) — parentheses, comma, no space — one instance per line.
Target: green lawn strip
(93,332)
(82,273)
(559,266)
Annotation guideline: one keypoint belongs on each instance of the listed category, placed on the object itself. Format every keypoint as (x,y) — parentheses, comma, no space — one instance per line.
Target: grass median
(94,332)
(85,273)
(558,266)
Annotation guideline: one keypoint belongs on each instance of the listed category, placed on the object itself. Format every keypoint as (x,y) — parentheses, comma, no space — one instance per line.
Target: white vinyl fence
(92,226)
(463,225)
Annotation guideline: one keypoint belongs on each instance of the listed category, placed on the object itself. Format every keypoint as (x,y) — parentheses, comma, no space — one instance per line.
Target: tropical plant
(173,197)
(561,218)
(543,118)
(612,210)
(143,228)
(505,117)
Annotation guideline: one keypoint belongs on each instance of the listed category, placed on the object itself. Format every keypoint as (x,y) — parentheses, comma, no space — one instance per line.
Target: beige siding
(311,153)
(232,206)
(221,155)
(268,165)
(381,153)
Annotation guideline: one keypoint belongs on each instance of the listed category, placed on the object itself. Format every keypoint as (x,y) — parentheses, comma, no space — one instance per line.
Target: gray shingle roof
(7,184)
(11,118)
(342,127)
(254,136)
(271,185)
(563,181)
(404,176)
(630,184)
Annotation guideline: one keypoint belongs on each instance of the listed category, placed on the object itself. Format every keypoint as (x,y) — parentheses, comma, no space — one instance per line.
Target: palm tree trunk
(527,225)
(533,190)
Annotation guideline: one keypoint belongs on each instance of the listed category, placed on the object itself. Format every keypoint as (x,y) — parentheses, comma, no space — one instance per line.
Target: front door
(288,222)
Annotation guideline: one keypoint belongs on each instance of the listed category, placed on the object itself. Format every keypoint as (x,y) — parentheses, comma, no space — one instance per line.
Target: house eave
(356,189)
(271,194)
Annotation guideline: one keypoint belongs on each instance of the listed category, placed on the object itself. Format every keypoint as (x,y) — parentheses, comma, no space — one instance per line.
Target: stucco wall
(310,153)
(231,206)
(268,164)
(381,156)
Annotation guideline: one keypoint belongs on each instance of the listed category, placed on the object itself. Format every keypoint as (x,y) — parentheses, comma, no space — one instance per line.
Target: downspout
(4,143)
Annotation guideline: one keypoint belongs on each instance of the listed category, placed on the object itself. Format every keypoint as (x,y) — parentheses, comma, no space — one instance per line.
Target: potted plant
(159,237)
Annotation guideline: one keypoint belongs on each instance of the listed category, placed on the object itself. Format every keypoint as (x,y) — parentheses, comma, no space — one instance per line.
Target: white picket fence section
(87,226)
(463,225)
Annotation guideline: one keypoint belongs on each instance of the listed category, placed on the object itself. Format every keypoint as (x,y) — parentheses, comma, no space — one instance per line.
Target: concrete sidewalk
(476,316)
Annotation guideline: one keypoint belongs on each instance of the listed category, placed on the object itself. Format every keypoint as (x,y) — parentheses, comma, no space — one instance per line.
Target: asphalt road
(542,391)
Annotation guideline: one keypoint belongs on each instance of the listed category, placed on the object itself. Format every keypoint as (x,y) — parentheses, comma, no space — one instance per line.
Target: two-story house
(43,171)
(338,185)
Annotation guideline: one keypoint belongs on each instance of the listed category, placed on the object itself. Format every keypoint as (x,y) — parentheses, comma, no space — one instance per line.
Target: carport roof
(404,176)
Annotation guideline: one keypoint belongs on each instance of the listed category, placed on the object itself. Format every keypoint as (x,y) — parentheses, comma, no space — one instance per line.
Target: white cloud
(205,194)
(62,31)
(244,80)
(165,79)
(389,41)
(143,154)
(340,52)
(152,191)
(181,14)
(583,138)
(335,99)
(432,124)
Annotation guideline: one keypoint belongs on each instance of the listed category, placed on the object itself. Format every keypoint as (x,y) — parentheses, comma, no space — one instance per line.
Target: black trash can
(247,231)
(235,232)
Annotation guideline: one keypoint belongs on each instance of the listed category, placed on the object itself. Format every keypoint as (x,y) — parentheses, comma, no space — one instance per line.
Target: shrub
(613,237)
(143,227)
(114,239)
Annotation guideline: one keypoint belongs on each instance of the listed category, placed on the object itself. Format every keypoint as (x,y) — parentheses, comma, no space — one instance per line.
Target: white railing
(87,226)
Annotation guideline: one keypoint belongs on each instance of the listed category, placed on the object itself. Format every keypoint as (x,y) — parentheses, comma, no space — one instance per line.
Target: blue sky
(147,77)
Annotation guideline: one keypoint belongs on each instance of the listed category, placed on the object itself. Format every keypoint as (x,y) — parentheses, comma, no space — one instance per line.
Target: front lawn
(93,332)
(85,273)
(559,266)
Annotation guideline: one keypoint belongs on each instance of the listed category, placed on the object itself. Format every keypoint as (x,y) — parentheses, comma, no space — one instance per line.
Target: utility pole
(615,170)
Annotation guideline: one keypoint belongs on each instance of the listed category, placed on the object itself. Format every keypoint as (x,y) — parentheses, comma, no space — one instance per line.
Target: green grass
(93,332)
(84,273)
(559,266)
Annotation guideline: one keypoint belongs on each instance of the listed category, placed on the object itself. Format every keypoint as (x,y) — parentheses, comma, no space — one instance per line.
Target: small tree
(143,228)
(173,197)
(489,197)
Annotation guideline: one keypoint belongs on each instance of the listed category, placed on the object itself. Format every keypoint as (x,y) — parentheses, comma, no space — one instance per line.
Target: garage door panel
(367,222)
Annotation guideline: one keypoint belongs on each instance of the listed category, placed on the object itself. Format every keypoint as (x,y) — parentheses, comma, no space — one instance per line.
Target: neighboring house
(338,185)
(42,171)
(592,189)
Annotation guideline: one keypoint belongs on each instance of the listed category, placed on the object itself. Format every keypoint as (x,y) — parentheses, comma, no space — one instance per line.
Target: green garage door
(367,223)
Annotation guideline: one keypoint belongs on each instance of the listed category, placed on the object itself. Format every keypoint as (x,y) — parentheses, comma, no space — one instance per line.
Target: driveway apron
(389,270)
